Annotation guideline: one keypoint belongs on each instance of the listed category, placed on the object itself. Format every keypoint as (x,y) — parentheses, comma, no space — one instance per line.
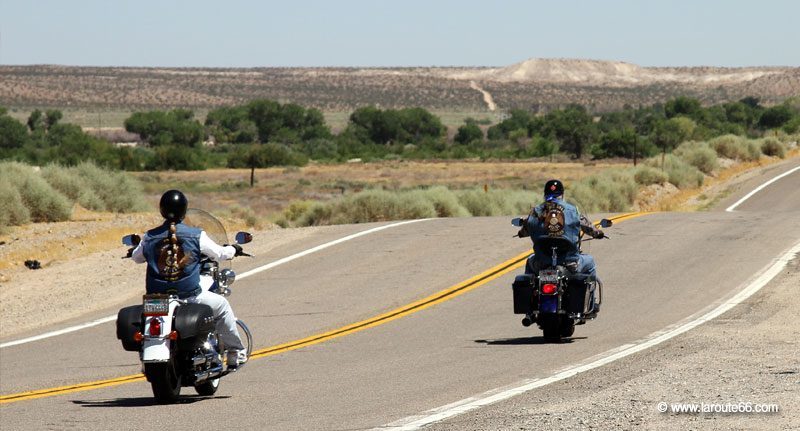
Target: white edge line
(238,277)
(500,394)
(759,188)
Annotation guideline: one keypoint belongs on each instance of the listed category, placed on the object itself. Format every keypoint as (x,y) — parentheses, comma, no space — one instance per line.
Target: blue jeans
(586,265)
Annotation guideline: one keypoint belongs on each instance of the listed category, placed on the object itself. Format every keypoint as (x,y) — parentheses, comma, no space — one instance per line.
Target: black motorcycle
(554,295)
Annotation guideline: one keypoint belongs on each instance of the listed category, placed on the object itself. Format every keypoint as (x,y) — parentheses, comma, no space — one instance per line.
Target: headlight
(227,277)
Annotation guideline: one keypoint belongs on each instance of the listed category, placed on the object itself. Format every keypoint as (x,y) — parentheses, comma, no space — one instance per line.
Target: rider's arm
(213,250)
(138,253)
(587,227)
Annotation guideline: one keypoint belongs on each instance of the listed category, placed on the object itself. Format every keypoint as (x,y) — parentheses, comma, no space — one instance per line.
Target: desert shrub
(735,147)
(612,191)
(445,203)
(773,147)
(679,173)
(119,191)
(495,202)
(44,203)
(382,205)
(12,210)
(70,183)
(699,155)
(647,175)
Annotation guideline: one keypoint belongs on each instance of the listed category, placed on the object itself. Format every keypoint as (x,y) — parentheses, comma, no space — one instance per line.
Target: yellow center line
(429,301)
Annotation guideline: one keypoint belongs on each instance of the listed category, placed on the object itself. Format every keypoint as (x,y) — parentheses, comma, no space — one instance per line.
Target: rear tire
(567,327)
(551,328)
(208,387)
(165,382)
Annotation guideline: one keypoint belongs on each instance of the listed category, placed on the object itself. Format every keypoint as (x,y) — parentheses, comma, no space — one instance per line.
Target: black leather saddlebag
(577,298)
(129,321)
(523,294)
(192,320)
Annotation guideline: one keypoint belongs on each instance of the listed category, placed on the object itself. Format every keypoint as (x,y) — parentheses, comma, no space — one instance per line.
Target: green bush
(119,191)
(773,147)
(610,191)
(647,175)
(679,173)
(12,209)
(735,147)
(382,205)
(44,203)
(445,203)
(699,155)
(70,183)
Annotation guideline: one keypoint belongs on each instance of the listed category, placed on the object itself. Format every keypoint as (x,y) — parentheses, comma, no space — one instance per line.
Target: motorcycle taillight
(549,289)
(155,327)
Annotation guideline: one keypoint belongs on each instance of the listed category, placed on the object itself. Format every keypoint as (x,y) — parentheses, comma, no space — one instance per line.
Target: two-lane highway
(658,270)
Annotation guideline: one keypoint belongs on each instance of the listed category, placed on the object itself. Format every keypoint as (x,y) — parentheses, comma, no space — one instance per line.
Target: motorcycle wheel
(551,328)
(207,388)
(567,327)
(165,382)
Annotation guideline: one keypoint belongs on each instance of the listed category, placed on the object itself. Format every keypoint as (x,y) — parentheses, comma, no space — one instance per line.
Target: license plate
(548,276)
(158,306)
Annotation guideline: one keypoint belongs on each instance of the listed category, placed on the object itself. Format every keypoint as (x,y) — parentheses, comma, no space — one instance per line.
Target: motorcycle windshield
(207,222)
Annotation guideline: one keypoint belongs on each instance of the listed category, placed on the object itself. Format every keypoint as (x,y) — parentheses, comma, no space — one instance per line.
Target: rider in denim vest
(565,234)
(173,252)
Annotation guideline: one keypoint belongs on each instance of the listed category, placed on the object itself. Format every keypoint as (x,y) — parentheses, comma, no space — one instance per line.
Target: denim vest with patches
(566,239)
(170,272)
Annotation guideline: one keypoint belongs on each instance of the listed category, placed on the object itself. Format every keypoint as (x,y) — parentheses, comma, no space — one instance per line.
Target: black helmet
(173,205)
(553,189)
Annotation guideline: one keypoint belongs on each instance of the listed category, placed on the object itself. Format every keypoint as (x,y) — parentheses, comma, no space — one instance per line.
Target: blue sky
(236,33)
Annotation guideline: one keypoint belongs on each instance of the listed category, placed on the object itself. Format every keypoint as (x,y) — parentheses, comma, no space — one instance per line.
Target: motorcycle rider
(557,222)
(173,252)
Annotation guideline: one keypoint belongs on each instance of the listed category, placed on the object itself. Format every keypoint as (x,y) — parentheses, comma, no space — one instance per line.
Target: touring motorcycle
(554,296)
(177,341)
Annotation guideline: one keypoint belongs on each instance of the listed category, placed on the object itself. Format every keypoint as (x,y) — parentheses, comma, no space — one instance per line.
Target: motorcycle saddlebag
(192,320)
(129,321)
(523,294)
(577,300)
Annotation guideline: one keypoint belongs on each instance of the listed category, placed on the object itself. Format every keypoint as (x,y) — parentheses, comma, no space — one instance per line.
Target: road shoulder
(747,355)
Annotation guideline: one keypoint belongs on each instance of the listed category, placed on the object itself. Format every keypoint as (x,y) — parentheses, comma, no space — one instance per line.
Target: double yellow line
(438,297)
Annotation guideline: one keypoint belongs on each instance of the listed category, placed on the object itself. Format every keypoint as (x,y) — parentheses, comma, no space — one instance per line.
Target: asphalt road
(658,269)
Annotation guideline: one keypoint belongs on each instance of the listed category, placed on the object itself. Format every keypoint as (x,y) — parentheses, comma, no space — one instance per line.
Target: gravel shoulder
(748,354)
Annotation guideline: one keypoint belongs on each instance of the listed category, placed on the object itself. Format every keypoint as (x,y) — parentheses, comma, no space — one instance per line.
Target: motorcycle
(177,341)
(554,296)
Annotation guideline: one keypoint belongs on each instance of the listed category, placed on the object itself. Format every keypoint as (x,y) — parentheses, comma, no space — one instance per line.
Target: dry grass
(713,189)
(277,187)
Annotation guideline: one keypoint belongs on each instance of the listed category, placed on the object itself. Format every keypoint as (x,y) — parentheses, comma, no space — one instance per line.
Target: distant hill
(536,84)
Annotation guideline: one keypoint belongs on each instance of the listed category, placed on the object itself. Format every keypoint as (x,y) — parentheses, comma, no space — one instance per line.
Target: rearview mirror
(131,240)
(606,222)
(243,237)
(517,222)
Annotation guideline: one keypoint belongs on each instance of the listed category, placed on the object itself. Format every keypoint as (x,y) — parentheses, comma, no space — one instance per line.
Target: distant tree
(618,143)
(775,117)
(685,106)
(36,121)
(517,119)
(752,102)
(13,134)
(159,128)
(467,133)
(572,127)
(52,116)
(408,125)
(544,147)
(670,133)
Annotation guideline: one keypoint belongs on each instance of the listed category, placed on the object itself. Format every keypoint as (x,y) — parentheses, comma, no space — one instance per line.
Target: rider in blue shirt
(557,223)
